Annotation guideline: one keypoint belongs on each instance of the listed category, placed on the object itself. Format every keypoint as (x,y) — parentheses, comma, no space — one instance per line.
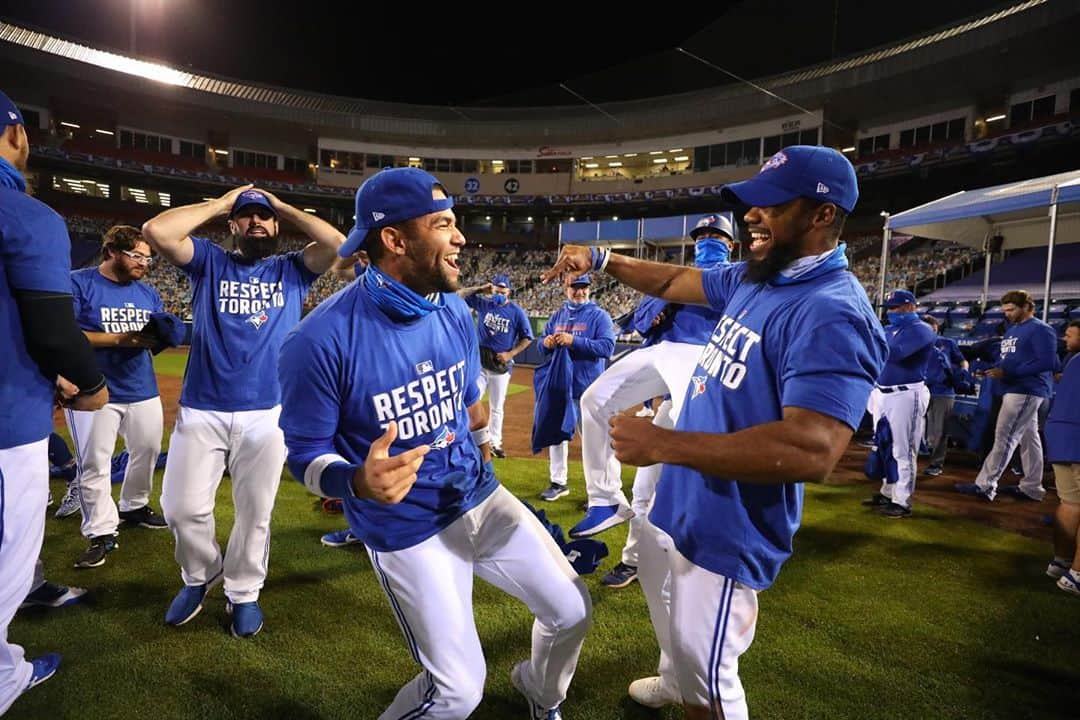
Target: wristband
(481,436)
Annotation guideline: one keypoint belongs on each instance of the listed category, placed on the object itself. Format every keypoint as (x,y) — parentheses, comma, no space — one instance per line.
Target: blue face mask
(499,299)
(902,318)
(710,251)
(396,300)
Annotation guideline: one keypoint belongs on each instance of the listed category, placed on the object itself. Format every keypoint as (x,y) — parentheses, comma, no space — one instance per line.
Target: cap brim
(354,242)
(237,210)
(697,232)
(756,193)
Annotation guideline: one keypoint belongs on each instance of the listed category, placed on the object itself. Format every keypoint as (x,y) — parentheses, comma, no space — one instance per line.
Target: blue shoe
(536,712)
(341,538)
(600,518)
(620,576)
(44,668)
(933,470)
(554,492)
(186,605)
(1014,491)
(53,595)
(973,489)
(247,619)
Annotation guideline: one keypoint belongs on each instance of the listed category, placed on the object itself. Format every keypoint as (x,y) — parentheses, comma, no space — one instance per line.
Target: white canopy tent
(1029,213)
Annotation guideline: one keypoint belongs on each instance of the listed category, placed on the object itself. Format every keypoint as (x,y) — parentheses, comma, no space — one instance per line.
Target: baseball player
(45,355)
(773,402)
(386,427)
(504,331)
(941,373)
(674,336)
(112,307)
(1028,359)
(244,303)
(588,331)
(898,404)
(1063,450)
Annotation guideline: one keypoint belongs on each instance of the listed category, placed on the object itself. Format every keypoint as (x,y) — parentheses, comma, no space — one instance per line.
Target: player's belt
(897,388)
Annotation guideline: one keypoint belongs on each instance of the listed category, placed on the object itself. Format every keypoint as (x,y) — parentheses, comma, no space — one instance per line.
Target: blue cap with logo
(808,171)
(502,281)
(251,197)
(9,112)
(718,222)
(392,196)
(899,297)
(583,280)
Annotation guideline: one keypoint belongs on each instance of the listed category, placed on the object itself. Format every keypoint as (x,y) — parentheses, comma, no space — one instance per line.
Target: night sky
(510,54)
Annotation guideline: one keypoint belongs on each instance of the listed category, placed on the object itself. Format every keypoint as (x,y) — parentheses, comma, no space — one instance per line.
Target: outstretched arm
(673,283)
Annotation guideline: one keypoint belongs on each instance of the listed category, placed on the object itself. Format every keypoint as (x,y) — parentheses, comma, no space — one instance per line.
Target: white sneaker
(652,693)
(1056,569)
(1070,583)
(71,503)
(644,412)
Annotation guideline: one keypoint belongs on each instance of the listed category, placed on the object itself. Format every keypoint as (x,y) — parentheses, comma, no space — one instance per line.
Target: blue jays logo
(258,319)
(445,437)
(698,381)
(707,221)
(775,161)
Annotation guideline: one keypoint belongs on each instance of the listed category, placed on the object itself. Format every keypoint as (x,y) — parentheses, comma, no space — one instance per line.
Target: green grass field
(933,617)
(930,618)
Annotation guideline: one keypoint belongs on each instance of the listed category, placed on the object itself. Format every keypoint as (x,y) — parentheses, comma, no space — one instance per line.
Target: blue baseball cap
(719,222)
(502,281)
(899,297)
(808,171)
(251,197)
(392,196)
(583,280)
(9,112)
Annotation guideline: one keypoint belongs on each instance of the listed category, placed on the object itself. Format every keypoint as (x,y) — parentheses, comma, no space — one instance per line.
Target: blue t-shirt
(102,305)
(594,340)
(348,370)
(35,254)
(499,326)
(942,364)
(911,343)
(811,343)
(242,311)
(1028,358)
(1063,425)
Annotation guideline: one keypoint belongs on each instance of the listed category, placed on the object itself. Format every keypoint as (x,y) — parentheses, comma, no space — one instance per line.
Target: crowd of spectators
(921,266)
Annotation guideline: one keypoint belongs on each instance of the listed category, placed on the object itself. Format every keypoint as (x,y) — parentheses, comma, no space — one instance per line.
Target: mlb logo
(253,280)
(445,437)
(425,367)
(258,319)
(698,381)
(129,305)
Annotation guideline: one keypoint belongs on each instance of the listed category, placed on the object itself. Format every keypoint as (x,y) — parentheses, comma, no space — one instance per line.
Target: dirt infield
(1027,518)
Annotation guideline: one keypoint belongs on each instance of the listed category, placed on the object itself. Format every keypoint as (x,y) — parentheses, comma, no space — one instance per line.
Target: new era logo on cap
(377,216)
(822,189)
(12,115)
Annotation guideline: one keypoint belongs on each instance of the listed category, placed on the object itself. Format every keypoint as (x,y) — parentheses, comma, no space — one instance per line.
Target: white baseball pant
(905,411)
(496,385)
(661,369)
(559,456)
(1017,424)
(203,444)
(24,492)
(94,435)
(430,588)
(645,480)
(654,576)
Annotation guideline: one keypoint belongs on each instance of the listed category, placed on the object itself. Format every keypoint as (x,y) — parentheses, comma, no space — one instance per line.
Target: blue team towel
(555,413)
(169,330)
(120,461)
(880,463)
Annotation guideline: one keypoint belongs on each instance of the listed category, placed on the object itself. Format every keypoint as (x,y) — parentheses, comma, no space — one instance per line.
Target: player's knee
(591,401)
(465,693)
(577,615)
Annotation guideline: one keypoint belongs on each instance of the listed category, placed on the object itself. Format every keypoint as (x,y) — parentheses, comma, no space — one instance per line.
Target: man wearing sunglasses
(244,303)
(112,307)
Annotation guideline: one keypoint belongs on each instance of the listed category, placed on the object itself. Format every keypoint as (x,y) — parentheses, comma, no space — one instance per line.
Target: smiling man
(381,408)
(776,395)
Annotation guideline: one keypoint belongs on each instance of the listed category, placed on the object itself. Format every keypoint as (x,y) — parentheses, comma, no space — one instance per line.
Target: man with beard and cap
(773,402)
(45,358)
(112,307)
(243,303)
(395,428)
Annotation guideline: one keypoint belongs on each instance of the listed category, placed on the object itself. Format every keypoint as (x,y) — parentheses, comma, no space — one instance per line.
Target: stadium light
(70,124)
(682,158)
(848,149)
(630,155)
(675,150)
(221,152)
(496,162)
(614,217)
(615,164)
(529,219)
(659,161)
(592,165)
(610,157)
(656,152)
(587,158)
(995,118)
(571,218)
(105,132)
(310,210)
